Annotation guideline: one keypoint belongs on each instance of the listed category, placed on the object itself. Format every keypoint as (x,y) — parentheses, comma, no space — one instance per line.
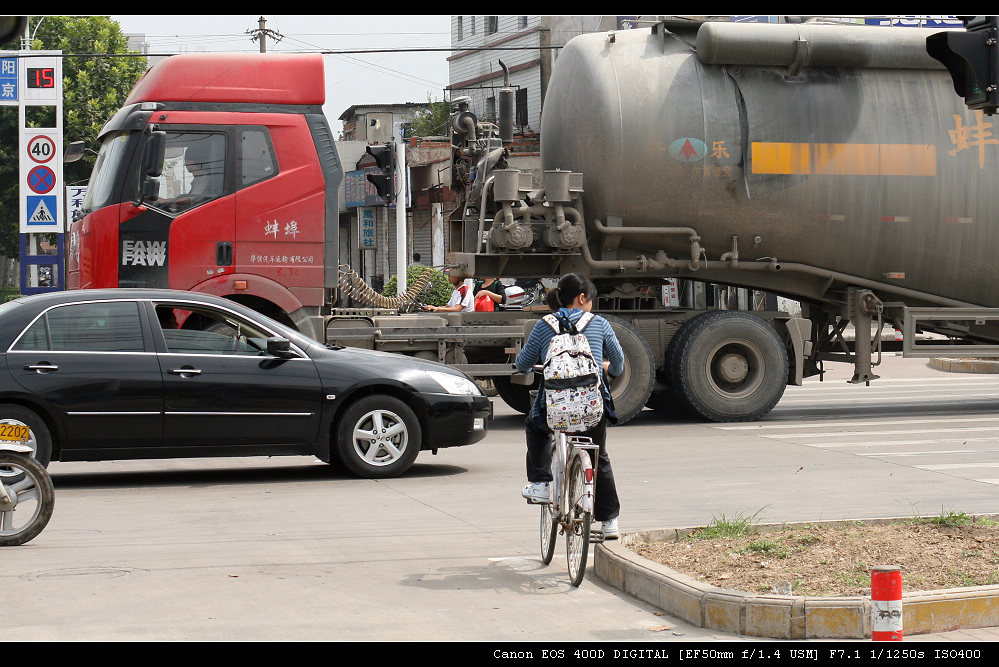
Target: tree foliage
(97,77)
(432,120)
(438,292)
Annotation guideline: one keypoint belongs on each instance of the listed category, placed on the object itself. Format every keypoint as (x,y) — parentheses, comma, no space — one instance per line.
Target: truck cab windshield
(101,190)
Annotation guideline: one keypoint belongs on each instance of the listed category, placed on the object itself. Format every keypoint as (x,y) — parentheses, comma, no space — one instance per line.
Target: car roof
(52,298)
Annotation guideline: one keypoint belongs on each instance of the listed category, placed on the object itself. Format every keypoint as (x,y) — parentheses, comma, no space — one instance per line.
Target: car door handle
(41,368)
(185,371)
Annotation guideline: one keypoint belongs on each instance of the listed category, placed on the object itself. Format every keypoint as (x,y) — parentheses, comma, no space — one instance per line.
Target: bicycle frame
(565,447)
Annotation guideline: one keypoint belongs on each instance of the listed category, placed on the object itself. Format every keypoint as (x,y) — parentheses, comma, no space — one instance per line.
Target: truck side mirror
(154,154)
(74,151)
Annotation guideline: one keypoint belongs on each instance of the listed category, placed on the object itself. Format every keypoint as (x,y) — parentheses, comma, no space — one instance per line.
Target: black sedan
(128,373)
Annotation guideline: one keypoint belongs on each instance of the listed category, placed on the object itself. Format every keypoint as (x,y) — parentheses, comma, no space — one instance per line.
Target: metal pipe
(482,213)
(663,262)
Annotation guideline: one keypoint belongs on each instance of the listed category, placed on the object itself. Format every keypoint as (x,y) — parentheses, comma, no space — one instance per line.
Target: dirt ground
(832,561)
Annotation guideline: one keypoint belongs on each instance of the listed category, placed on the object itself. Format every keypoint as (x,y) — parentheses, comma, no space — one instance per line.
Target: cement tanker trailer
(831,164)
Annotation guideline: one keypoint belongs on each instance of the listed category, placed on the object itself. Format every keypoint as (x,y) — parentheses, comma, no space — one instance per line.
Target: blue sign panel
(42,211)
(359,191)
(8,81)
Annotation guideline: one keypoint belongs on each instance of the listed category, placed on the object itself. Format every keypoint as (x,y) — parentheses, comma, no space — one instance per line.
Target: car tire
(41,439)
(372,455)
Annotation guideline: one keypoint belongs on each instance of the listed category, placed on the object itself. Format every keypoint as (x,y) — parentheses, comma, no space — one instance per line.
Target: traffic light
(384,182)
(972,58)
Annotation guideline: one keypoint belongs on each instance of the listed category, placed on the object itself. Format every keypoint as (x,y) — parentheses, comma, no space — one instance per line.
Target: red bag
(484,302)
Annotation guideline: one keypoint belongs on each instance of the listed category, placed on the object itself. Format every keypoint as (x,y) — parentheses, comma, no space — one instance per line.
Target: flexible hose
(354,286)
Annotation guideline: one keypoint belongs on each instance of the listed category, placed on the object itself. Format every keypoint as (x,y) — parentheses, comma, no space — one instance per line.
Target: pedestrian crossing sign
(42,211)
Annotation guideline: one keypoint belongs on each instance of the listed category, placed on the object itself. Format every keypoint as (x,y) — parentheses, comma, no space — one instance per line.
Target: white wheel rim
(380,438)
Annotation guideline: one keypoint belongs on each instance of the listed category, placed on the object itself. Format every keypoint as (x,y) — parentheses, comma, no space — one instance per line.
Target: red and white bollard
(886,603)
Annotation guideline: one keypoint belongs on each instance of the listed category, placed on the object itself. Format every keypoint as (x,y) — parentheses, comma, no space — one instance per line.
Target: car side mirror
(279,347)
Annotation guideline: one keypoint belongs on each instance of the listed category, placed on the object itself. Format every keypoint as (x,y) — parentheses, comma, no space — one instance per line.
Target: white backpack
(573,395)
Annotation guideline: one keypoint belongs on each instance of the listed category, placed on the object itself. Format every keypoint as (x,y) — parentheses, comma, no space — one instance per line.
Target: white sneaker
(609,529)
(537,492)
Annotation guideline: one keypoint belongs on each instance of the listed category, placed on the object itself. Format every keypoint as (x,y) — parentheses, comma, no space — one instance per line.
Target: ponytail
(570,286)
(552,299)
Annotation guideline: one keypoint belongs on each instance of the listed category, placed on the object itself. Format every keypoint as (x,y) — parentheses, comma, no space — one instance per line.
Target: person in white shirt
(462,299)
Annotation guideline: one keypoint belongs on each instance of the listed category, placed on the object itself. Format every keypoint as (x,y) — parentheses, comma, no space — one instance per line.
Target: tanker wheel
(631,389)
(727,366)
(517,396)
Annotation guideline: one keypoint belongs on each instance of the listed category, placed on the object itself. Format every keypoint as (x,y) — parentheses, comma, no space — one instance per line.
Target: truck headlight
(455,384)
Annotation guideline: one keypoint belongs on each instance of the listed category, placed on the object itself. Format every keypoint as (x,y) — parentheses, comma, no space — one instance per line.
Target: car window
(209,331)
(86,327)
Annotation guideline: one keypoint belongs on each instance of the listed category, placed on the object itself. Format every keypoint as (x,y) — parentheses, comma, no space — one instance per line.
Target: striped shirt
(603,341)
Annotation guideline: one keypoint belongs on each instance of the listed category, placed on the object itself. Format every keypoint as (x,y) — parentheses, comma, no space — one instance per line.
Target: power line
(325,52)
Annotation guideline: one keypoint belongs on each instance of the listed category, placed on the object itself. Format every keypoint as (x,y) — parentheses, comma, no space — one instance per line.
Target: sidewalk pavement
(944,615)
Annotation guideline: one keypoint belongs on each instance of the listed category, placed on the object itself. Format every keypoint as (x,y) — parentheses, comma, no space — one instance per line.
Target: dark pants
(539,463)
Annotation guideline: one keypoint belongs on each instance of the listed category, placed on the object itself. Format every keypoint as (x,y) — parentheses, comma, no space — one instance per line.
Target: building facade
(527,45)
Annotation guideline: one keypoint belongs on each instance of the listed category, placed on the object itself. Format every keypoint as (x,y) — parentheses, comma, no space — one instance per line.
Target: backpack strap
(565,325)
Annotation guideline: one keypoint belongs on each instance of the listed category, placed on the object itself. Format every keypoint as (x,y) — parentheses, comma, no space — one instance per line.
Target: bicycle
(25,485)
(569,510)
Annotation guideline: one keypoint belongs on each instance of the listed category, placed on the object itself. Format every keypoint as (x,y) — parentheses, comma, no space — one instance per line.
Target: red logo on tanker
(688,149)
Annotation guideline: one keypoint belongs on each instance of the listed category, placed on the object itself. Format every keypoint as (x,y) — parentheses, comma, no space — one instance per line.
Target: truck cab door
(173,240)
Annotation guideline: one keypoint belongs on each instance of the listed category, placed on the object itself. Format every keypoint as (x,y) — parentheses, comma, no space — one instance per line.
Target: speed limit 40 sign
(41,148)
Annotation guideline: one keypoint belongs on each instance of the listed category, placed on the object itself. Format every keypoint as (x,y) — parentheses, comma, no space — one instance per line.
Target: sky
(373,78)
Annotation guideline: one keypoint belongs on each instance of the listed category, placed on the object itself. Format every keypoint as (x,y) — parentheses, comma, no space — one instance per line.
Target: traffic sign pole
(34,79)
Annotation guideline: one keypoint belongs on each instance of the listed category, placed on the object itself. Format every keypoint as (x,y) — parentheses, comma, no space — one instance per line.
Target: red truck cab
(218,175)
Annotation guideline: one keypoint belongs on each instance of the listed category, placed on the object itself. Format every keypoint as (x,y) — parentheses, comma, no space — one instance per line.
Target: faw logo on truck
(143,253)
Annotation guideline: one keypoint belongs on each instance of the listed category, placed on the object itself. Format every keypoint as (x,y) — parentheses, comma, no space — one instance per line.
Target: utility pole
(262,33)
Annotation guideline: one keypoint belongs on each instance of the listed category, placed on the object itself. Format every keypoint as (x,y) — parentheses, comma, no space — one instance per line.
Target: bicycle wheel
(28,506)
(549,522)
(549,533)
(577,539)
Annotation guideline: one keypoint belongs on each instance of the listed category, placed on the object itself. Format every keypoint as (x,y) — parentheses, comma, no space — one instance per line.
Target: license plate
(14,432)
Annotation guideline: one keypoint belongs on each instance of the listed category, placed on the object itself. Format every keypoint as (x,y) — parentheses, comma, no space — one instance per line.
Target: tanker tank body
(834,152)
(827,163)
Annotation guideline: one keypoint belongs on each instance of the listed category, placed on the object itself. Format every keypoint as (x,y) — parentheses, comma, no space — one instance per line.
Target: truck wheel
(631,389)
(517,396)
(378,437)
(727,366)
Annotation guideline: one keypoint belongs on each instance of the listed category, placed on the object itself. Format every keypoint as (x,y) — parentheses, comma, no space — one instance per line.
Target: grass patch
(772,548)
(721,526)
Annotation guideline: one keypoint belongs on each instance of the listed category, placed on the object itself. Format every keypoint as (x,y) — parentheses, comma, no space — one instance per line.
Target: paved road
(292,549)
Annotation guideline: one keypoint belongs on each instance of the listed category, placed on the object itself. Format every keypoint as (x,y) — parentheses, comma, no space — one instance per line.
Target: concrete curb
(964,365)
(780,616)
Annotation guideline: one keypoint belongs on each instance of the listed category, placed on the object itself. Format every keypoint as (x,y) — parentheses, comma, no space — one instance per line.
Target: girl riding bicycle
(570,299)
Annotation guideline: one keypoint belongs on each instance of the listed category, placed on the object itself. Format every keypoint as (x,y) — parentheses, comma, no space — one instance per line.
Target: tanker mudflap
(798,330)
